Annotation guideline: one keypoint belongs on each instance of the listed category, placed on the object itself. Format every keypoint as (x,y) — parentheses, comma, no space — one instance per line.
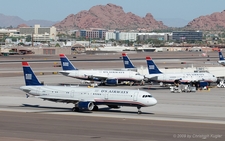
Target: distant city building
(38,33)
(133,36)
(93,33)
(157,36)
(187,35)
(6,32)
(117,35)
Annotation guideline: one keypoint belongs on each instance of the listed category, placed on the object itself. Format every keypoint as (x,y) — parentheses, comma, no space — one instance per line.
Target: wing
(63,100)
(98,77)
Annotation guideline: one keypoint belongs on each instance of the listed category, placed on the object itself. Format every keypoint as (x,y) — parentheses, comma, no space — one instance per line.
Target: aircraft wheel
(95,108)
(75,109)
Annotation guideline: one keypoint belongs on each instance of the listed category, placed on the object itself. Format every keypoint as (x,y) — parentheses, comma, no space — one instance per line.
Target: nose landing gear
(139,110)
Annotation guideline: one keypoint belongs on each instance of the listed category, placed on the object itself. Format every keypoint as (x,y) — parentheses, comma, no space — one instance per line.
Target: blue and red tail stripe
(29,76)
(126,61)
(221,55)
(152,68)
(66,64)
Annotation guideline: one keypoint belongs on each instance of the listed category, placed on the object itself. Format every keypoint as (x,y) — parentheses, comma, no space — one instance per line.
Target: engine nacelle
(86,105)
(112,81)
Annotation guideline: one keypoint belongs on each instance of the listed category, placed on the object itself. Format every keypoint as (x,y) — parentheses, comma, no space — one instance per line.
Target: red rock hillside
(215,21)
(109,16)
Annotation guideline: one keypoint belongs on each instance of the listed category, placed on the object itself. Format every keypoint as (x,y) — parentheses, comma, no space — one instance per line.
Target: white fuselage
(183,77)
(100,75)
(99,96)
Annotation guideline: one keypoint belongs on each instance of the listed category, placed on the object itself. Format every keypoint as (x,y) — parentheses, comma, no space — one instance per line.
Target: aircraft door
(72,94)
(135,96)
(106,96)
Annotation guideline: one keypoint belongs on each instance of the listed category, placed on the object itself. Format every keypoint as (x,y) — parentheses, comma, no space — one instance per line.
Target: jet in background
(156,75)
(106,77)
(221,59)
(128,65)
(85,98)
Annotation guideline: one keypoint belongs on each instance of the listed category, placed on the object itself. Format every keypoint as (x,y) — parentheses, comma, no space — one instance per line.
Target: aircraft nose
(153,101)
(214,79)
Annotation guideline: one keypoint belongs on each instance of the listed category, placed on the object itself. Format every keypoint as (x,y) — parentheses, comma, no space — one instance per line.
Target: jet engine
(112,81)
(86,105)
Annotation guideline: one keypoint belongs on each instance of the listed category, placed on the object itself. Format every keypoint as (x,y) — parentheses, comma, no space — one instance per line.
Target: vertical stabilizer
(221,56)
(126,61)
(29,76)
(152,68)
(66,64)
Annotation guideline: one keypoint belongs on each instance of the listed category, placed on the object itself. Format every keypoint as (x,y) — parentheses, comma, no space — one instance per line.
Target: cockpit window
(145,96)
(213,75)
(137,74)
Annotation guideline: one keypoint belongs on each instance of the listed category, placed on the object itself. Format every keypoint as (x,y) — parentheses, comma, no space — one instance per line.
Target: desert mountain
(14,21)
(109,16)
(215,21)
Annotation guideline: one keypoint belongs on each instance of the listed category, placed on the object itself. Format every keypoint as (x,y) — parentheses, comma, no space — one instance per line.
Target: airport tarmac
(177,116)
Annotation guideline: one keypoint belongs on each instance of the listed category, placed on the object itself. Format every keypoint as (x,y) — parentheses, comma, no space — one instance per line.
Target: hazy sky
(57,10)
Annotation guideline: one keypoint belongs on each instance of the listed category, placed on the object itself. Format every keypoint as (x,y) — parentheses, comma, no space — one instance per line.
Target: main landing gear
(77,109)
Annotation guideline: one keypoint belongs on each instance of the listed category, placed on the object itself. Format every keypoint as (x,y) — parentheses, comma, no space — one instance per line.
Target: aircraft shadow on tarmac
(155,88)
(61,109)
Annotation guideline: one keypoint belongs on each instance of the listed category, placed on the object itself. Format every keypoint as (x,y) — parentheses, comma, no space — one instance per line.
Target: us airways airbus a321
(111,77)
(85,98)
(157,75)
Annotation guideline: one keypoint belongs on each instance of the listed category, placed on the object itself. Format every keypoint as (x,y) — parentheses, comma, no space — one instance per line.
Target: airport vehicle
(182,88)
(127,63)
(221,59)
(156,75)
(106,77)
(85,98)
(221,84)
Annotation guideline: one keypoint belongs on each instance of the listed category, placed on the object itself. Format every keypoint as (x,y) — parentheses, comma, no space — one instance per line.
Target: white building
(38,33)
(133,36)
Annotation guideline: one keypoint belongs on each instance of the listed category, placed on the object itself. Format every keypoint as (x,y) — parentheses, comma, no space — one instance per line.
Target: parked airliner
(110,77)
(85,98)
(157,75)
(221,59)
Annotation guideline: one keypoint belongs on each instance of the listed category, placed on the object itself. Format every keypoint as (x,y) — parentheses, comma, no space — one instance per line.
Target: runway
(42,127)
(177,116)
